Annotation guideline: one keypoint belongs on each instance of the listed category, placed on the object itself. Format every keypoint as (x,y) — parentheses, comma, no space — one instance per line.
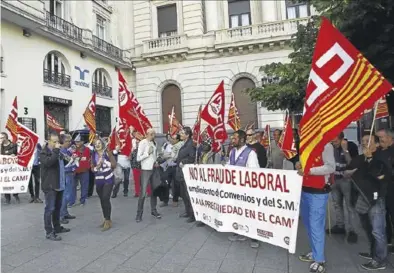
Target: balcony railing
(101,90)
(58,79)
(265,30)
(107,48)
(64,27)
(165,44)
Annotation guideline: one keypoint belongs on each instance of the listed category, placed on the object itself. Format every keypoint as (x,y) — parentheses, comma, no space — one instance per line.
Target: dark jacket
(11,149)
(186,155)
(50,169)
(366,179)
(261,154)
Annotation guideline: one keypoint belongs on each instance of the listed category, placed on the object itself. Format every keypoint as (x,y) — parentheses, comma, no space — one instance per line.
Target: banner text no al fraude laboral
(259,203)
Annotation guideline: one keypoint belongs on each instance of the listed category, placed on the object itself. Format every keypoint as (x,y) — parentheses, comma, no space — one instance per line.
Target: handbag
(119,175)
(158,182)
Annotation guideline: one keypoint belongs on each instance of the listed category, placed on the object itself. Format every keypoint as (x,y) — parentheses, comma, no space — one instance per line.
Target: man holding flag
(342,84)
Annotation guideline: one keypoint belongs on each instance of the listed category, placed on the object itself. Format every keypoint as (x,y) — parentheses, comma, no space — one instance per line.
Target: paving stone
(203,265)
(106,263)
(236,266)
(5,268)
(24,256)
(143,260)
(122,269)
(213,251)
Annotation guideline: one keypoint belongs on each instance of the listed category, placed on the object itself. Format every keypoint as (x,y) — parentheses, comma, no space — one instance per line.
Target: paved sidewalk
(167,245)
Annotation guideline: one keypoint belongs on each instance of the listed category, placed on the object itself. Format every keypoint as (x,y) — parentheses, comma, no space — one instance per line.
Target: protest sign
(14,178)
(262,204)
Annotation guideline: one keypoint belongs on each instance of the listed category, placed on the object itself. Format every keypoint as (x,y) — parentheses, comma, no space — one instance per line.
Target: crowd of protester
(361,185)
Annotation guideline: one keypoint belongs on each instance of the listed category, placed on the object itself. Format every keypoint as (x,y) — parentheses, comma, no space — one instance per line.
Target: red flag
(382,109)
(342,84)
(213,114)
(12,122)
(266,137)
(52,123)
(286,141)
(27,142)
(90,118)
(130,110)
(125,139)
(197,128)
(233,117)
(113,140)
(174,125)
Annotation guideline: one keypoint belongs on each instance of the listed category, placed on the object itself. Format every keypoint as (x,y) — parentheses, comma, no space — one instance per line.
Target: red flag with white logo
(52,123)
(125,139)
(286,141)
(131,112)
(113,140)
(27,142)
(12,122)
(213,115)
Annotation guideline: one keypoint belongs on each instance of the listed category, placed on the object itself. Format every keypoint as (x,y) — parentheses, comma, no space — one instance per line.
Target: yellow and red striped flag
(342,84)
(197,128)
(90,118)
(12,121)
(233,117)
(382,109)
(286,141)
(265,140)
(174,126)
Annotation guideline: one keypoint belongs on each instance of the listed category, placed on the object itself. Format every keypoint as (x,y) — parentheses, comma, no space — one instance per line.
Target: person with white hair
(147,155)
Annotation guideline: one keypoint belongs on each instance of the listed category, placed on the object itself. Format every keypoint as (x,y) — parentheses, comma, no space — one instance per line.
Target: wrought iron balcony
(101,90)
(64,27)
(107,48)
(58,79)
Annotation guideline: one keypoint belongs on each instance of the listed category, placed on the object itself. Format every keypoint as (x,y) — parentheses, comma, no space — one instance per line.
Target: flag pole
(373,122)
(139,121)
(171,118)
(199,132)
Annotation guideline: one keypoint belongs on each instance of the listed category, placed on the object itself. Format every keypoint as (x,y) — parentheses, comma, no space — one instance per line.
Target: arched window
(56,70)
(170,97)
(246,108)
(101,83)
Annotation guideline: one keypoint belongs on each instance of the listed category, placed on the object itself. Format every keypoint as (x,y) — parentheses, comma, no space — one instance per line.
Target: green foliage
(368,24)
(289,91)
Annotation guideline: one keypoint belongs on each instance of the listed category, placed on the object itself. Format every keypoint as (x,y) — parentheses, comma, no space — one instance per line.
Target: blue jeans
(83,179)
(53,203)
(67,194)
(313,212)
(374,224)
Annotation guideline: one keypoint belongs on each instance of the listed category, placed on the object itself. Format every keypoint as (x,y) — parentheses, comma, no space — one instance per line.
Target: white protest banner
(262,204)
(13,177)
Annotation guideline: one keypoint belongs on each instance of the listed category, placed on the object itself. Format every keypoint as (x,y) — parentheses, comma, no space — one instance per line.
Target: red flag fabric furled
(265,140)
(125,139)
(197,128)
(213,115)
(113,140)
(342,84)
(27,142)
(12,121)
(131,112)
(52,123)
(90,118)
(382,109)
(174,125)
(233,117)
(286,141)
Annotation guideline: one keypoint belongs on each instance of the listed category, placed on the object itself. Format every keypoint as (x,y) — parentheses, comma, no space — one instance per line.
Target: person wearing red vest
(314,197)
(82,172)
